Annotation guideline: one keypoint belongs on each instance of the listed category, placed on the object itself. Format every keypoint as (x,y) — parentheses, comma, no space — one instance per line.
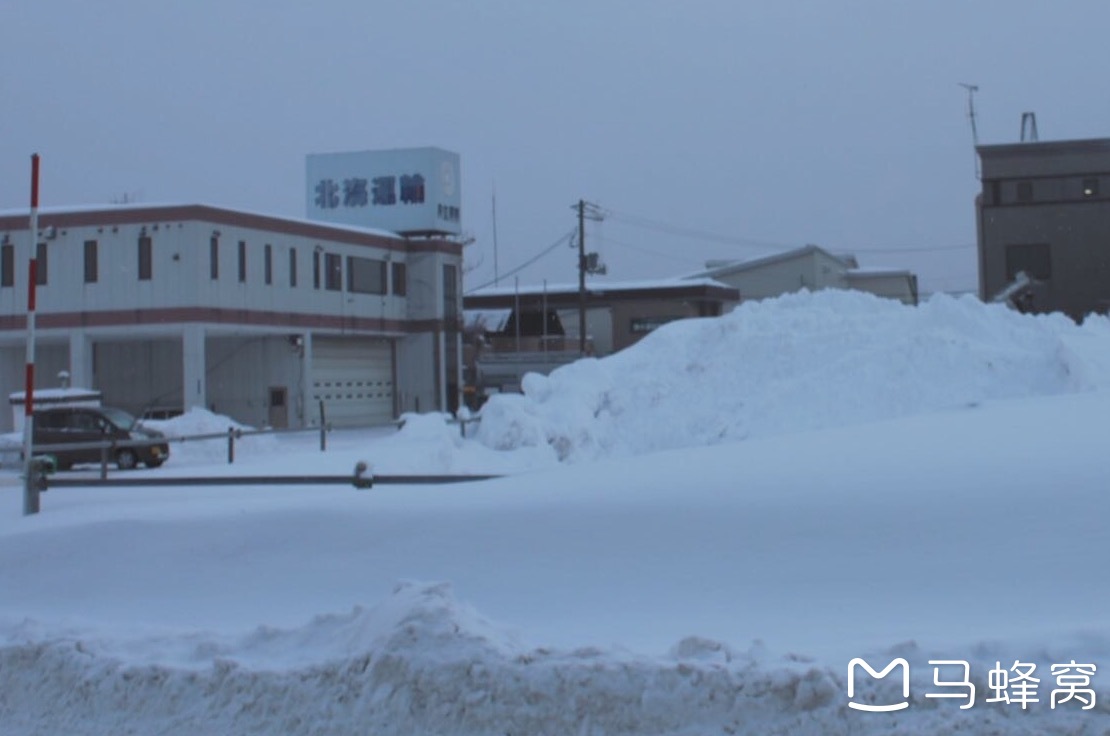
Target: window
(365,275)
(214,257)
(40,264)
(1090,187)
(7,265)
(268,264)
(242,261)
(1025,191)
(399,285)
(644,325)
(1034,259)
(333,268)
(450,292)
(292,266)
(145,266)
(316,268)
(91,274)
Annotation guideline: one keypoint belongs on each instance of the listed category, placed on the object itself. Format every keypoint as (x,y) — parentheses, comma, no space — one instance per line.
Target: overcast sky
(773,124)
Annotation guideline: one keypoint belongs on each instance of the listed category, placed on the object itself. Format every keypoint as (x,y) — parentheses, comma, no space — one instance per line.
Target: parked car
(71,424)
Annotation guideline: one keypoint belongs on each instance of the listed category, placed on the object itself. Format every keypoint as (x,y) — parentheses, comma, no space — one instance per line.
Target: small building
(809,267)
(535,328)
(1044,211)
(257,317)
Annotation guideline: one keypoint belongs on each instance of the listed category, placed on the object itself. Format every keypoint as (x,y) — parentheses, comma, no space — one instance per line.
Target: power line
(649,251)
(649,224)
(922,249)
(564,238)
(695,234)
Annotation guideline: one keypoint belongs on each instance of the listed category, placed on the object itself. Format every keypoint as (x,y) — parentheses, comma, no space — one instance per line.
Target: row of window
(1042,189)
(364,275)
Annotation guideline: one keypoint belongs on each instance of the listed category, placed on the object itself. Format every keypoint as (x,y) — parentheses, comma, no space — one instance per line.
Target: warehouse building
(264,319)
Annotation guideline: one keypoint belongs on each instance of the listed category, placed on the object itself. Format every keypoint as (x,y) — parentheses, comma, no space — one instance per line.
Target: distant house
(1044,211)
(812,268)
(535,328)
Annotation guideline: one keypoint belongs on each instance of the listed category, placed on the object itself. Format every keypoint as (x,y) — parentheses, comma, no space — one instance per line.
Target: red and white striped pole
(30,489)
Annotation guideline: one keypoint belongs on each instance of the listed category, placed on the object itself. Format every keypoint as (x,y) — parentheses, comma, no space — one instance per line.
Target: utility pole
(581,277)
(591,264)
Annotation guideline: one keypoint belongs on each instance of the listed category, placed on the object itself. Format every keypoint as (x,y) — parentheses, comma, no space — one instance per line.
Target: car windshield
(119,417)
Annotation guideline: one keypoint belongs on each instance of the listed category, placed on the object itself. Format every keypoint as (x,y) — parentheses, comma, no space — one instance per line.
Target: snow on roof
(56,394)
(863,273)
(491,320)
(720,267)
(138,208)
(601,287)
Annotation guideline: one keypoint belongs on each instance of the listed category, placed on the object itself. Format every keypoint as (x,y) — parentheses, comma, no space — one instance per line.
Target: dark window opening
(242,261)
(7,265)
(316,269)
(292,266)
(333,269)
(400,287)
(91,272)
(268,264)
(365,275)
(40,264)
(450,292)
(1032,259)
(214,258)
(1025,191)
(145,256)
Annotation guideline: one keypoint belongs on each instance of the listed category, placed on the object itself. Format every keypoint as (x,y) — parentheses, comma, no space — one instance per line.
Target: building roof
(597,286)
(563,293)
(128,214)
(715,269)
(1045,148)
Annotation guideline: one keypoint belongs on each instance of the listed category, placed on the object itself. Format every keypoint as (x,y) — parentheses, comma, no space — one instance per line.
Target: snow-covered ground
(694,536)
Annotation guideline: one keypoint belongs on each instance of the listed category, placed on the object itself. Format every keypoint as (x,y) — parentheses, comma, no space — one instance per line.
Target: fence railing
(110,447)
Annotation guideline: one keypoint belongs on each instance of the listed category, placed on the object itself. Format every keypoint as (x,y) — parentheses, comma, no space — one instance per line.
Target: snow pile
(198,421)
(433,443)
(420,662)
(798,362)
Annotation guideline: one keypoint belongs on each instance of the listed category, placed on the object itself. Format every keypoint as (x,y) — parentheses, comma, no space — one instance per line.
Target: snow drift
(798,362)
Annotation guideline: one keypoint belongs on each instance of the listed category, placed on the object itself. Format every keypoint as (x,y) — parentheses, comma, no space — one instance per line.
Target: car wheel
(126,459)
(154,463)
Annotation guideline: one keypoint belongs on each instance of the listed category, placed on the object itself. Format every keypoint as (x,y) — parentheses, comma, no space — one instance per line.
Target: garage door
(354,379)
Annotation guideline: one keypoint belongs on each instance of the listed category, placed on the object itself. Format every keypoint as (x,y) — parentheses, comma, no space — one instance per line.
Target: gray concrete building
(1045,211)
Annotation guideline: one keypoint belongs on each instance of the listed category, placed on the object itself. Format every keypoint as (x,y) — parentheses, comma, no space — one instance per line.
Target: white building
(812,268)
(257,317)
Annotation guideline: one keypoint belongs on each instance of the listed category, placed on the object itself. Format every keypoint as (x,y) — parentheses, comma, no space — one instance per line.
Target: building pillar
(80,360)
(310,412)
(195,389)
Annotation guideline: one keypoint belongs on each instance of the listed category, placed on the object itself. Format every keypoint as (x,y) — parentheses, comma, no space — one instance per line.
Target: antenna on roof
(1029,125)
(971,90)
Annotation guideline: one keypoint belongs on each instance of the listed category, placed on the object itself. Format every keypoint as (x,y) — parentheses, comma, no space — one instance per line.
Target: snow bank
(421,662)
(432,443)
(199,421)
(798,362)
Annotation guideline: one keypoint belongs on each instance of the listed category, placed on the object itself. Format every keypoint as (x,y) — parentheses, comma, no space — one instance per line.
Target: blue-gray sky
(836,122)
